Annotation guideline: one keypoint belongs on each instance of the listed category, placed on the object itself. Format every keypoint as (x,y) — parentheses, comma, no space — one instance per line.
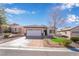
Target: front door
(45,31)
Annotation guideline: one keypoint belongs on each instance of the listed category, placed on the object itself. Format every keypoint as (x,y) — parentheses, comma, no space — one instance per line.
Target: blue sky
(38,13)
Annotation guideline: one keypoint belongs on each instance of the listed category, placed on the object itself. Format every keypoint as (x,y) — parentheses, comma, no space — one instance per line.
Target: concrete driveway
(36,43)
(23,42)
(20,42)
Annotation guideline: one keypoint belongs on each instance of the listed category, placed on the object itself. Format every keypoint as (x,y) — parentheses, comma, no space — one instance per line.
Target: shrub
(67,42)
(6,35)
(50,36)
(64,36)
(75,39)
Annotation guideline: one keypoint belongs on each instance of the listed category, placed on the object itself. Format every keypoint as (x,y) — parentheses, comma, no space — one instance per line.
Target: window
(50,31)
(15,29)
(65,32)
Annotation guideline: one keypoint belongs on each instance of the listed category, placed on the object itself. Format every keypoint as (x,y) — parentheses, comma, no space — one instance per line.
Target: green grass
(57,40)
(62,41)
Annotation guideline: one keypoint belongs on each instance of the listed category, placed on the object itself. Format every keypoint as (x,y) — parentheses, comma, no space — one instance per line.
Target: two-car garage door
(34,32)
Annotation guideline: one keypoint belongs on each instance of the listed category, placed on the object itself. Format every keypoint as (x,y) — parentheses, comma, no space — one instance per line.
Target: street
(10,52)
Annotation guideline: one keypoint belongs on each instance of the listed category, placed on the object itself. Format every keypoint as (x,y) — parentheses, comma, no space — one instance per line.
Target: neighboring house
(38,30)
(15,28)
(70,32)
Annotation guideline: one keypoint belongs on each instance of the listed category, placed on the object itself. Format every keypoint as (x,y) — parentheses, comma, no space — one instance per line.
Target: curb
(39,49)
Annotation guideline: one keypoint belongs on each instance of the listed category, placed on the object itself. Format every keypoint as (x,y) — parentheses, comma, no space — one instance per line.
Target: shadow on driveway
(73,48)
(34,37)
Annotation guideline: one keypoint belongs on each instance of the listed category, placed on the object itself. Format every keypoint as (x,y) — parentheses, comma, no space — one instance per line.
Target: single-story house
(16,28)
(38,31)
(32,30)
(70,32)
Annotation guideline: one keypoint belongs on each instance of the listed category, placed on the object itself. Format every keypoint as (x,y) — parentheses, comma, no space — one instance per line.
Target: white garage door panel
(33,32)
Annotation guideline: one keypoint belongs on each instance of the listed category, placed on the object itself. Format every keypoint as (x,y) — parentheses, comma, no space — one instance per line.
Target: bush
(67,42)
(75,39)
(6,35)
(50,36)
(64,36)
(62,41)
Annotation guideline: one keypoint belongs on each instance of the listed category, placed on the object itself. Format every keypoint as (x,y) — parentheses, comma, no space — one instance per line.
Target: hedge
(75,39)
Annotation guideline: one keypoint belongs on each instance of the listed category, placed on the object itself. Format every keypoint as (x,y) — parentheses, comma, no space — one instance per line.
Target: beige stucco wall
(66,33)
(63,33)
(75,32)
(48,31)
(19,29)
(35,28)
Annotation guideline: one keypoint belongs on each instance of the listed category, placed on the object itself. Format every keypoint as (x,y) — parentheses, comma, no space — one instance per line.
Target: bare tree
(57,19)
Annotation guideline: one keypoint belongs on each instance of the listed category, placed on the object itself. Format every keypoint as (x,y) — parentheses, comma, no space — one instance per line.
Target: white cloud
(14,11)
(19,11)
(33,12)
(9,3)
(69,5)
(77,4)
(72,18)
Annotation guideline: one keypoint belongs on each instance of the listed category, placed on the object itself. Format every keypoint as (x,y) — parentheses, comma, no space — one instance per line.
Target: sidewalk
(39,49)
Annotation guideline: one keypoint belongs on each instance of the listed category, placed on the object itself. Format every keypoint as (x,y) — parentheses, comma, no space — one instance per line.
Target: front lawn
(57,40)
(61,41)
